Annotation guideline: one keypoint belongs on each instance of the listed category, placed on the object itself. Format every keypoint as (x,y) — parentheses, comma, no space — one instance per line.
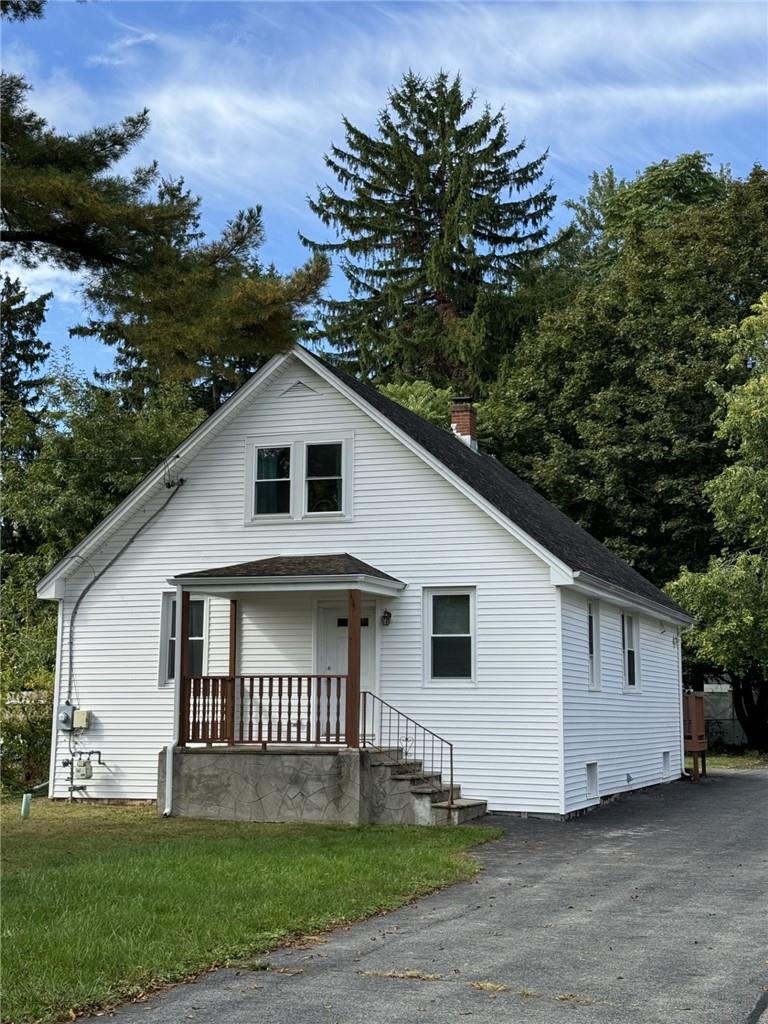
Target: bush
(25,728)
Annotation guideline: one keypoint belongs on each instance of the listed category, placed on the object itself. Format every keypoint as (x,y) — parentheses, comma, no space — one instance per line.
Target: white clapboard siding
(624,732)
(408,521)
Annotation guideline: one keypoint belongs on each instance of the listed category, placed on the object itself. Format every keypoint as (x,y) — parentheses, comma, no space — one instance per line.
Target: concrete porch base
(353,787)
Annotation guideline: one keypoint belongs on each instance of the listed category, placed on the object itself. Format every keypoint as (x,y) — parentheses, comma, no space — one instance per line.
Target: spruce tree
(435,222)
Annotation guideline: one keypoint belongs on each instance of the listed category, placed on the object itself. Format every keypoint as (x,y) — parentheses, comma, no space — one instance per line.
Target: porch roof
(294,572)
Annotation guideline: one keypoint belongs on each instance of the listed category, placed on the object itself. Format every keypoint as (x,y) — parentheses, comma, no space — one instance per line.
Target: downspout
(683,773)
(176,700)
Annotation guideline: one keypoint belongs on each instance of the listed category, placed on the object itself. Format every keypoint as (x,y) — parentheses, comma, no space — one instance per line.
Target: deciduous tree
(730,598)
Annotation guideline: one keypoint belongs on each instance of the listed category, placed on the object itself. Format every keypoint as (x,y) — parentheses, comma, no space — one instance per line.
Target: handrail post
(231,711)
(352,711)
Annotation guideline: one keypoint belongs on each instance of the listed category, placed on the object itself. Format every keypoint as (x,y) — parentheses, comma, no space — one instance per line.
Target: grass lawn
(741,759)
(101,902)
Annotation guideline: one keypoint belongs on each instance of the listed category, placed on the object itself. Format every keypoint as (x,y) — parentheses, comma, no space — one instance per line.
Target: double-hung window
(450,624)
(196,648)
(302,478)
(273,481)
(324,478)
(629,650)
(593,644)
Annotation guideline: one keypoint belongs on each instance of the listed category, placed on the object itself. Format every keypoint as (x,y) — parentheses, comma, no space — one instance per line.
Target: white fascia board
(45,588)
(561,573)
(592,586)
(270,584)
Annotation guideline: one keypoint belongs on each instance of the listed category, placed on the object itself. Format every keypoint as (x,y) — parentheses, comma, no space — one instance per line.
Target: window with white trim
(299,478)
(197,638)
(450,635)
(324,478)
(273,481)
(629,650)
(593,644)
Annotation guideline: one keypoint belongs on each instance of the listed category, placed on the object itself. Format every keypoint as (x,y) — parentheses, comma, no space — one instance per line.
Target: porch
(308,745)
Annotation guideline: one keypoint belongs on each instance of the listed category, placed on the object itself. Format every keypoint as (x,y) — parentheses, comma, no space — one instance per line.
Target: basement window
(593,791)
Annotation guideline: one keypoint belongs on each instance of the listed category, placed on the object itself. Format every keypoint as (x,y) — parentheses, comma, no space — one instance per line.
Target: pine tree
(22,351)
(60,204)
(434,228)
(202,312)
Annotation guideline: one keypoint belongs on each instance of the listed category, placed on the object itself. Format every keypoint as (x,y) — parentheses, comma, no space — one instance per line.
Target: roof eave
(593,586)
(49,587)
(265,584)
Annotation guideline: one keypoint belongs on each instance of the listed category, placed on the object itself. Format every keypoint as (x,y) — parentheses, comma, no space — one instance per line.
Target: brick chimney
(464,421)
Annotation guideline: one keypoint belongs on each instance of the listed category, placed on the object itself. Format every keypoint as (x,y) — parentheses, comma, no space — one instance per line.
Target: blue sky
(246,97)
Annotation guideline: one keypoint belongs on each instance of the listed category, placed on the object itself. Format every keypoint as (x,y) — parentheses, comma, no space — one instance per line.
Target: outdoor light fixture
(386,617)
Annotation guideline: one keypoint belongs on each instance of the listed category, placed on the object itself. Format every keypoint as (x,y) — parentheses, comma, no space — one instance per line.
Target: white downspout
(176,699)
(679,645)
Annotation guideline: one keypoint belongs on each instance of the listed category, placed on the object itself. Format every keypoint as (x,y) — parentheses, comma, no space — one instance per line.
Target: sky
(245,98)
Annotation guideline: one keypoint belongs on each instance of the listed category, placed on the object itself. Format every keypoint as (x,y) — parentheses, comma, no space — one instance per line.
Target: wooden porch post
(232,671)
(352,715)
(182,638)
(233,637)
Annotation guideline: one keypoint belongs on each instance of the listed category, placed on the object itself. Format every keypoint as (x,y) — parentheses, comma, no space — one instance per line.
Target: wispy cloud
(38,281)
(118,52)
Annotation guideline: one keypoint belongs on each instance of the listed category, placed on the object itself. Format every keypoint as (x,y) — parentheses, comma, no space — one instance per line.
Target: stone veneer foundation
(242,784)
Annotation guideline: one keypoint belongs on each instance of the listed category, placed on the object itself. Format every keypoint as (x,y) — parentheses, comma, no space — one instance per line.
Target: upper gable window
(273,481)
(325,491)
(305,477)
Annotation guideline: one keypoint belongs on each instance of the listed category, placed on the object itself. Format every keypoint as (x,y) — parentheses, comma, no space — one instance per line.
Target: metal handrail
(407,737)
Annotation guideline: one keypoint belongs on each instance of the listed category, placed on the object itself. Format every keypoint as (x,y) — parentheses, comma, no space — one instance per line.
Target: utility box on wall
(65,717)
(81,719)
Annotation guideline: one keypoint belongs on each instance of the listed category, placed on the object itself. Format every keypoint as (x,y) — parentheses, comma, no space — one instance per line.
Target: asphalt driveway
(651,910)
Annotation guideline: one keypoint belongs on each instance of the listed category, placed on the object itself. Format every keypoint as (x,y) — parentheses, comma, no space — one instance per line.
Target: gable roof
(541,523)
(511,496)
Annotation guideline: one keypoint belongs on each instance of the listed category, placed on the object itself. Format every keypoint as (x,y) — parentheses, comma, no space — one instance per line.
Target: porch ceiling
(292,572)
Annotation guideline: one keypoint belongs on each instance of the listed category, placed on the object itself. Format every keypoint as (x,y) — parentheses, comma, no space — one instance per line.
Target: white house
(314,541)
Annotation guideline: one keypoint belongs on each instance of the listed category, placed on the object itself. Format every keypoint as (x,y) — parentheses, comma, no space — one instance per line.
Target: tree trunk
(750,702)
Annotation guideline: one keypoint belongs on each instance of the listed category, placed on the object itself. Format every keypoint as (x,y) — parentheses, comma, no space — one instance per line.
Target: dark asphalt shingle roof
(292,565)
(514,498)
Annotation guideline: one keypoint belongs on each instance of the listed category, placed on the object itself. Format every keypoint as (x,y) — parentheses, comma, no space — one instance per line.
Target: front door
(331,648)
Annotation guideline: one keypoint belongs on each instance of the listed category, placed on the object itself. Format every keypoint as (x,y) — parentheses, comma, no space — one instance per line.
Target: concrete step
(418,778)
(407,767)
(438,792)
(458,812)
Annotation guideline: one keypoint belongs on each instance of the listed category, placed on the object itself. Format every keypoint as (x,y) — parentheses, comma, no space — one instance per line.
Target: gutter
(600,588)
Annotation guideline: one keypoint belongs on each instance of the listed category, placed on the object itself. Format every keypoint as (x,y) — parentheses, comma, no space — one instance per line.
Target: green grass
(739,759)
(102,902)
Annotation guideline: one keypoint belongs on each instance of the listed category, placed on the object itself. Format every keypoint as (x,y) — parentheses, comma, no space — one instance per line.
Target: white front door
(331,653)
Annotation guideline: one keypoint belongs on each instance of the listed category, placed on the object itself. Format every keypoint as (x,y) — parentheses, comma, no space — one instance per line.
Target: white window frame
(166,620)
(345,494)
(428,594)
(594,680)
(626,647)
(298,504)
(291,481)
